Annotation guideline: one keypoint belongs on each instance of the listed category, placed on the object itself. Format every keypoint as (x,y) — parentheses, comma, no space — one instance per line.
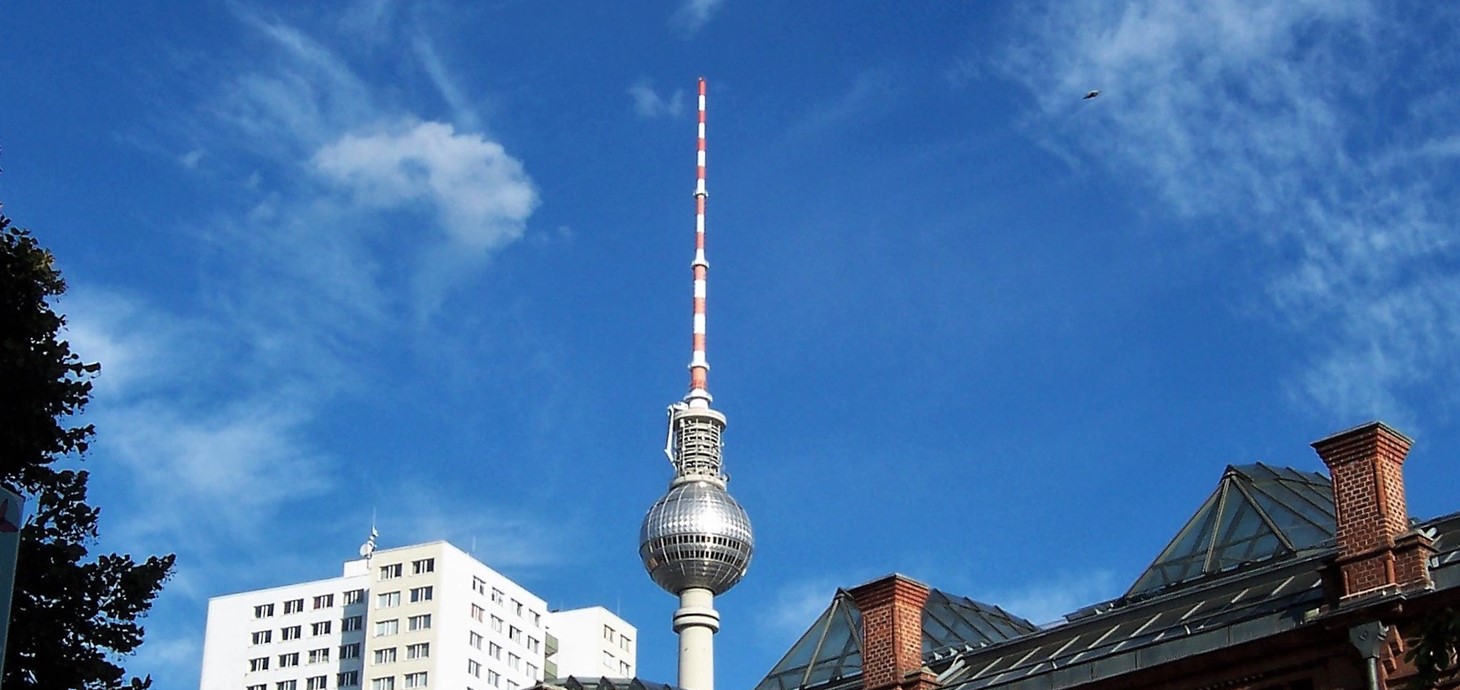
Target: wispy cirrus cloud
(1049,600)
(207,466)
(649,103)
(350,212)
(507,537)
(1258,117)
(796,604)
(693,15)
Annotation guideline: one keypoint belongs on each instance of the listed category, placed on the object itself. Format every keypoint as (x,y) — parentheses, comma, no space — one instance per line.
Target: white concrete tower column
(696,621)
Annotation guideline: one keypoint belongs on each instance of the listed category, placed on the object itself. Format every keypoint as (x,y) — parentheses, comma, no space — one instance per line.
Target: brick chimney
(892,634)
(1378,553)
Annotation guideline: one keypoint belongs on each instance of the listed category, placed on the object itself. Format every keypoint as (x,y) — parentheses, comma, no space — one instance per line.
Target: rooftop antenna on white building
(696,541)
(368,548)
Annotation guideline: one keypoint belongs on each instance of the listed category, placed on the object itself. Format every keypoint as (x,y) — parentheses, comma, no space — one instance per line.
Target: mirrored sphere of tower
(696,535)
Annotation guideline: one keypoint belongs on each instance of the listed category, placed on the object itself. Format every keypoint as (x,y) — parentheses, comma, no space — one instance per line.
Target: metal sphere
(696,535)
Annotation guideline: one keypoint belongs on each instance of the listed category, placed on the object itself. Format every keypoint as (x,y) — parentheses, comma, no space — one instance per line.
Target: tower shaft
(696,622)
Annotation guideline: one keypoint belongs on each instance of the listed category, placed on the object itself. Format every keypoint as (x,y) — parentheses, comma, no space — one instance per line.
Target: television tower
(696,540)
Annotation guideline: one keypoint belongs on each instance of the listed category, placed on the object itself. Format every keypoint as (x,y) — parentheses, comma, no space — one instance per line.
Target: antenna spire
(699,366)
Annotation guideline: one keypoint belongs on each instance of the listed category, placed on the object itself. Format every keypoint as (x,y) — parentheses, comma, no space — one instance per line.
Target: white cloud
(505,537)
(435,68)
(1048,601)
(223,468)
(796,604)
(482,195)
(1255,117)
(291,95)
(649,104)
(693,15)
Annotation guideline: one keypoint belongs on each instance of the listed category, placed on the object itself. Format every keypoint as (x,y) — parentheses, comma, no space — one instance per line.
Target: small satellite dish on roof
(368,548)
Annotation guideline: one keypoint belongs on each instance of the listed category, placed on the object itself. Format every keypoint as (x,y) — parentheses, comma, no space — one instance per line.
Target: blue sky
(431,261)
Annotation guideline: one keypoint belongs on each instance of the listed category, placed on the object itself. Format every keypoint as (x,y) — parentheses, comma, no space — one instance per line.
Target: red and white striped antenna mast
(699,366)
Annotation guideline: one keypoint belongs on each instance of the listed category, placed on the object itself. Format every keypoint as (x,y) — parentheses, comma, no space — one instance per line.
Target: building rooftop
(1248,564)
(832,648)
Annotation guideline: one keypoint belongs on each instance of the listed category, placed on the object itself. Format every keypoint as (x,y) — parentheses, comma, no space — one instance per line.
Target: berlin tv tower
(696,540)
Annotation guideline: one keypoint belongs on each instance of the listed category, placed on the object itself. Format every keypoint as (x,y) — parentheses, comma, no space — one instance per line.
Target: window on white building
(386,683)
(420,650)
(260,686)
(421,622)
(260,663)
(494,650)
(262,636)
(385,656)
(293,606)
(514,634)
(324,601)
(474,639)
(536,619)
(350,651)
(390,627)
(514,662)
(532,671)
(289,659)
(494,679)
(478,613)
(473,668)
(478,585)
(416,680)
(319,656)
(425,565)
(352,623)
(292,632)
(347,679)
(419,594)
(320,628)
(286,685)
(263,611)
(385,600)
(388,572)
(496,624)
(316,683)
(517,608)
(608,633)
(497,596)
(354,596)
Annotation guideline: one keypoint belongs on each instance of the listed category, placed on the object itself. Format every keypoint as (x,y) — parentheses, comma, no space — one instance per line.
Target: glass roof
(832,647)
(1257,513)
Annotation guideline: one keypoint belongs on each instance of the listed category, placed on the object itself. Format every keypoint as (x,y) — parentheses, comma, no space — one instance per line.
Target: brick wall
(1376,549)
(892,630)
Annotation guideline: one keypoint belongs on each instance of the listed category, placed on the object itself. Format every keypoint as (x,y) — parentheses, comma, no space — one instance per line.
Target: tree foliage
(1435,649)
(72,616)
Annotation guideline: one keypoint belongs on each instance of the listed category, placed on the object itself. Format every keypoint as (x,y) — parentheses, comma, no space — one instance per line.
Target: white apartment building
(423,616)
(592,642)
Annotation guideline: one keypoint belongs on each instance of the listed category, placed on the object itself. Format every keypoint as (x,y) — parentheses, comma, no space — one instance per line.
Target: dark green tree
(73,616)
(1435,649)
